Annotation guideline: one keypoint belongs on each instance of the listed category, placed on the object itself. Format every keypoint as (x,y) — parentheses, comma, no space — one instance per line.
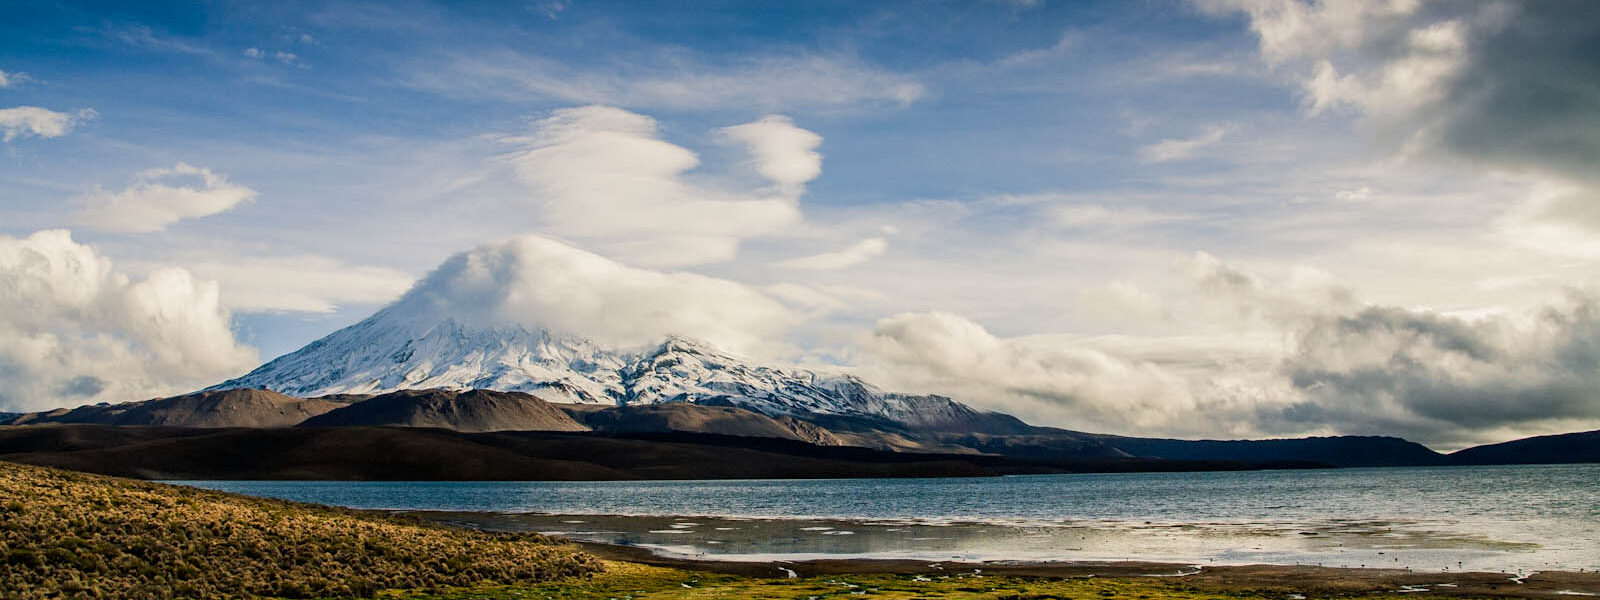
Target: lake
(1495,518)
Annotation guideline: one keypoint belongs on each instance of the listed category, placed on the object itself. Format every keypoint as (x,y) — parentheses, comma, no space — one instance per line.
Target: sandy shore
(1305,580)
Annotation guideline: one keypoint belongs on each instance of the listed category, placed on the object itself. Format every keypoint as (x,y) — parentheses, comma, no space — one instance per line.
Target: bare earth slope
(219,408)
(468,411)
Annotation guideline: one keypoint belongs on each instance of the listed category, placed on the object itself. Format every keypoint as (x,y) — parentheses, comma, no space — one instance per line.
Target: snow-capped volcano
(467,326)
(380,355)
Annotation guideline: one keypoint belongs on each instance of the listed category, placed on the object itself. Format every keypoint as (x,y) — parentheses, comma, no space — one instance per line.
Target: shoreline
(1287,579)
(1394,545)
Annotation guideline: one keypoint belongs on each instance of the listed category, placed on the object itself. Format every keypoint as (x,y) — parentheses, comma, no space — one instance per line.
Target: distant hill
(1045,443)
(222,408)
(1341,451)
(468,411)
(424,454)
(403,453)
(1581,447)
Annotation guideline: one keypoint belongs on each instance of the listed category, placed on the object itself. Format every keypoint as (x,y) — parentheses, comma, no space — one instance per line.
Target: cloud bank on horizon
(1205,218)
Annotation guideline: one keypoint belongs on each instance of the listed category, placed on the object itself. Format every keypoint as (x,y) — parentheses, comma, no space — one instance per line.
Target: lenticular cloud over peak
(536,282)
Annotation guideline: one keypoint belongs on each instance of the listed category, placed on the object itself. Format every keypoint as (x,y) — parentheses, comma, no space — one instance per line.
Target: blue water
(1531,517)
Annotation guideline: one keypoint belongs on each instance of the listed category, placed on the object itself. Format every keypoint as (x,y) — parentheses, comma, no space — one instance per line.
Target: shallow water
(1478,518)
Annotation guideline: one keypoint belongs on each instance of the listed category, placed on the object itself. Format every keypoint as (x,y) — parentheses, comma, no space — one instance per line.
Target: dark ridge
(394,453)
(424,454)
(1036,445)
(1582,447)
(467,411)
(997,464)
(1340,451)
(695,418)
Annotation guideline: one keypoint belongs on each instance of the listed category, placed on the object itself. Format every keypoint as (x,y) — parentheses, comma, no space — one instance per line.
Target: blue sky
(1141,210)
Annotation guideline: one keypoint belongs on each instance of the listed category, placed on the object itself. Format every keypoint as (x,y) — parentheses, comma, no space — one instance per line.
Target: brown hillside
(72,535)
(469,411)
(221,408)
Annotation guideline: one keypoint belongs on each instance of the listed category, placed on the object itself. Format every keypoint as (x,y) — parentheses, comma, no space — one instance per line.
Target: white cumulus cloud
(78,331)
(785,154)
(1297,354)
(602,174)
(536,281)
(1049,380)
(32,121)
(157,200)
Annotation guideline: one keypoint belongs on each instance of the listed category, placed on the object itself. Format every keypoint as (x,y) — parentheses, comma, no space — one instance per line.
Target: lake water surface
(1478,518)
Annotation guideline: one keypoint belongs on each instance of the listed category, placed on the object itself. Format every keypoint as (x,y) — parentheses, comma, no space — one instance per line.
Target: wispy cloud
(1182,148)
(856,254)
(33,121)
(672,79)
(145,38)
(285,57)
(153,202)
(303,283)
(13,78)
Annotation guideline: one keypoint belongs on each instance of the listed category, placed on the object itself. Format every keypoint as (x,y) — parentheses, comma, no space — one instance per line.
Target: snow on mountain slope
(389,352)
(682,370)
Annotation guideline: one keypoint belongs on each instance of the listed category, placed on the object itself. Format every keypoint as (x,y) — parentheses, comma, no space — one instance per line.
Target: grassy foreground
(67,535)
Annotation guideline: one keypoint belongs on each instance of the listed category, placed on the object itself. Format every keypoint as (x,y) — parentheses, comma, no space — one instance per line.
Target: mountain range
(419,363)
(250,433)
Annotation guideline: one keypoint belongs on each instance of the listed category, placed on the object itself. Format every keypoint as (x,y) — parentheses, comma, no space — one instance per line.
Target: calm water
(1482,518)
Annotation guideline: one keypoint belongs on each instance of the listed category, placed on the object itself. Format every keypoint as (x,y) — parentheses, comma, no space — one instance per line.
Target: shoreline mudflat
(1344,543)
(1287,579)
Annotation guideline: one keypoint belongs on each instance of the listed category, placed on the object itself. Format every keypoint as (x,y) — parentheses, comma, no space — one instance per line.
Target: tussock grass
(73,535)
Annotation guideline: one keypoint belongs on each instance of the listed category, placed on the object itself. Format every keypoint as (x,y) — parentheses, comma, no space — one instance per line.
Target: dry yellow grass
(66,534)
